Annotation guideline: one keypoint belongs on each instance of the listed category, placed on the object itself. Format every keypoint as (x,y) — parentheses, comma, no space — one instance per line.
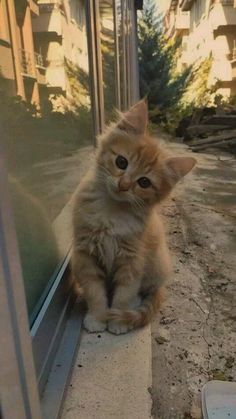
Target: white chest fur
(109,227)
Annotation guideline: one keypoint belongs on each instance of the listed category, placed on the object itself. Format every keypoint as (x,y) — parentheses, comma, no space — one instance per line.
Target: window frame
(16,359)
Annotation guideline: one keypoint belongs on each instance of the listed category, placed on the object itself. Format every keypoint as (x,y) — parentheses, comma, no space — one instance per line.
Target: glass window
(48,139)
(108,51)
(123,32)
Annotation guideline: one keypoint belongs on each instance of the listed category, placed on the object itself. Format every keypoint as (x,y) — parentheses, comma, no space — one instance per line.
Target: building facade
(60,35)
(22,70)
(44,46)
(206,28)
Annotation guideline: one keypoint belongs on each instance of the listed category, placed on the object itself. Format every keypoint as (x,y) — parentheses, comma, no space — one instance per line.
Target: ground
(193,340)
(159,371)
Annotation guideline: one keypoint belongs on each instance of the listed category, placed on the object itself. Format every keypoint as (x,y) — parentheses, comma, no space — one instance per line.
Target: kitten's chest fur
(109,227)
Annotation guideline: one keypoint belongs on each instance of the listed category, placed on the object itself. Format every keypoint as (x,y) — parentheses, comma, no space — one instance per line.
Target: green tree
(157,63)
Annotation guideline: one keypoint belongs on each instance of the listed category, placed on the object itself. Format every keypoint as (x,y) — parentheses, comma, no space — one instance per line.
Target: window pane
(48,128)
(121,7)
(108,50)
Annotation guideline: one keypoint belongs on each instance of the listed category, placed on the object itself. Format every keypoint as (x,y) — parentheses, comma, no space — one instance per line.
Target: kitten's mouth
(117,194)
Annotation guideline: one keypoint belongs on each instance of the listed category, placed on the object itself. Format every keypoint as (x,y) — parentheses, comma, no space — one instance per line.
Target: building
(206,28)
(60,35)
(21,65)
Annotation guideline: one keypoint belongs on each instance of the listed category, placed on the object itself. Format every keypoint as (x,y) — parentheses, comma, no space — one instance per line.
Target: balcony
(40,68)
(50,18)
(186,5)
(39,60)
(227,2)
(27,64)
(34,7)
(182,22)
(223,14)
(49,5)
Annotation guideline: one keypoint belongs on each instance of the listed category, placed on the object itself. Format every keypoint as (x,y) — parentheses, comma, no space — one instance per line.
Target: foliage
(157,62)
(172,96)
(78,80)
(198,92)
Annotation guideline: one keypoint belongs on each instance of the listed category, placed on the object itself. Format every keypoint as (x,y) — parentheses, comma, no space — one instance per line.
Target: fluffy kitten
(119,242)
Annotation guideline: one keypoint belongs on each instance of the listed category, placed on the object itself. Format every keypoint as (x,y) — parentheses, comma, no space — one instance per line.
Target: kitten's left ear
(178,167)
(135,120)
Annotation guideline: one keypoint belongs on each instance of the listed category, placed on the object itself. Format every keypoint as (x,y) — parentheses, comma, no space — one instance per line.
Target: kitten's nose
(124,184)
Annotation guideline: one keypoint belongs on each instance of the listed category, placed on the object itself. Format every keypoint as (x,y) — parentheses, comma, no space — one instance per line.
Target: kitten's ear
(178,167)
(135,120)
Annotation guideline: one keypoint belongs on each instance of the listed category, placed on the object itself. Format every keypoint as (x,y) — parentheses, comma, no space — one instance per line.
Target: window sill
(60,375)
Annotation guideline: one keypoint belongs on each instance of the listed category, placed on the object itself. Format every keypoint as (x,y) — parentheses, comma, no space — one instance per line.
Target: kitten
(119,241)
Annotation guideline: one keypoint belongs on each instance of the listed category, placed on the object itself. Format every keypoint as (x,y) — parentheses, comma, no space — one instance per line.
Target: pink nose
(124,184)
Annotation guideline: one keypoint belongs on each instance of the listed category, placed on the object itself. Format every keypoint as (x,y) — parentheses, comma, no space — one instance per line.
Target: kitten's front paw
(118,328)
(93,325)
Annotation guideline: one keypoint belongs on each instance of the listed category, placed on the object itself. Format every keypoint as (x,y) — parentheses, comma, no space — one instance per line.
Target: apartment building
(60,35)
(206,28)
(22,70)
(39,40)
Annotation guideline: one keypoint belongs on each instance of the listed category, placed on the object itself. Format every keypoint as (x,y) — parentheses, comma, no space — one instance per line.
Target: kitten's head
(132,166)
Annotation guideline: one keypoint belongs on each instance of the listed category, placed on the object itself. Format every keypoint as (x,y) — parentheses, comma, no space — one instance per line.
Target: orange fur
(118,236)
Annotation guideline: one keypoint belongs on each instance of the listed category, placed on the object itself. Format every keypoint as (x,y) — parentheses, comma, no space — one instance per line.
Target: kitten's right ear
(178,167)
(135,120)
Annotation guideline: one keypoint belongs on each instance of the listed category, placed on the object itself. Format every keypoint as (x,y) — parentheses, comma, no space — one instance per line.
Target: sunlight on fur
(120,256)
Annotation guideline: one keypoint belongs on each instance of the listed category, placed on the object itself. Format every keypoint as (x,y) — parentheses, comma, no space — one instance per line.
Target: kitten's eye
(121,162)
(144,182)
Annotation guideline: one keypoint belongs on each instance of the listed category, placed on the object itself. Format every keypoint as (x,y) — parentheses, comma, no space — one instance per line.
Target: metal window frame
(16,359)
(117,61)
(95,64)
(128,52)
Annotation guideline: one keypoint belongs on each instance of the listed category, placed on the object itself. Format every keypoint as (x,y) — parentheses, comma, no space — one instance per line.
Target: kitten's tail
(143,314)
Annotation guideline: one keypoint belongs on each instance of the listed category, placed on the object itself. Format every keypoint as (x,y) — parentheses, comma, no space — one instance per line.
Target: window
(47,150)
(108,51)
(78,12)
(46,158)
(198,10)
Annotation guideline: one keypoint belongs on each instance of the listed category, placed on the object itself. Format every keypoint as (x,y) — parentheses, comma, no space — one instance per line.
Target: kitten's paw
(118,328)
(93,325)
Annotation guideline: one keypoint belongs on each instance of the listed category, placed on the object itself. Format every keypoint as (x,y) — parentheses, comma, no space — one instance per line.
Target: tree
(157,62)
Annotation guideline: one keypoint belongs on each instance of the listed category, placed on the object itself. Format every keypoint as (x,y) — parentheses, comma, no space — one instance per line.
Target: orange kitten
(120,256)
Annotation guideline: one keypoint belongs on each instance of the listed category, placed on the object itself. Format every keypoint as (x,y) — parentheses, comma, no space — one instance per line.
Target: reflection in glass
(121,7)
(108,50)
(48,133)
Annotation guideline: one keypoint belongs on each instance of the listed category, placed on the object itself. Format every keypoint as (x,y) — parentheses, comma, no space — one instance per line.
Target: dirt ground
(194,338)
